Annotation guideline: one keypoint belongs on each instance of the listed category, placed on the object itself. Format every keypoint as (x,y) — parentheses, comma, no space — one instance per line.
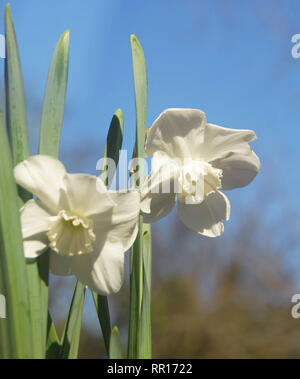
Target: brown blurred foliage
(233,324)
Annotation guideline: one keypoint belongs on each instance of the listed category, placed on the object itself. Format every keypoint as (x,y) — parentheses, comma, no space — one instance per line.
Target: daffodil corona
(86,227)
(193,160)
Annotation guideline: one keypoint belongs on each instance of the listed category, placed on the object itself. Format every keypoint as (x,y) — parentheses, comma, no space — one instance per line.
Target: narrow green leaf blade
(54,100)
(17,131)
(102,309)
(136,253)
(53,346)
(16,341)
(14,91)
(112,149)
(140,89)
(115,346)
(136,294)
(34,281)
(51,124)
(113,145)
(146,346)
(71,335)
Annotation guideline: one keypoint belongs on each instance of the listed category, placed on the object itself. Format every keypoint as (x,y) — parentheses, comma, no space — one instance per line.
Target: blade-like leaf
(136,295)
(102,309)
(38,334)
(113,145)
(136,252)
(43,268)
(71,335)
(115,346)
(51,123)
(112,150)
(17,131)
(53,346)
(14,95)
(146,347)
(140,89)
(54,100)
(16,341)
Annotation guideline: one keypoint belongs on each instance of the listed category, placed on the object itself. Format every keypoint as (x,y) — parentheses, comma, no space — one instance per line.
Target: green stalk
(146,349)
(113,144)
(71,335)
(16,337)
(136,294)
(112,149)
(53,346)
(51,124)
(102,309)
(139,338)
(54,99)
(116,348)
(17,131)
(14,95)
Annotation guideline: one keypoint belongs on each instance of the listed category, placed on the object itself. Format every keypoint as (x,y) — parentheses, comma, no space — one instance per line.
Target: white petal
(116,230)
(60,265)
(222,142)
(158,193)
(238,169)
(103,270)
(177,132)
(42,175)
(206,218)
(34,218)
(87,194)
(34,227)
(119,224)
(157,206)
(35,245)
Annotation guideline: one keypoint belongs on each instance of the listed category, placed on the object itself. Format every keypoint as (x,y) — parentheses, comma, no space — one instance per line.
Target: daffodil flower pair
(88,228)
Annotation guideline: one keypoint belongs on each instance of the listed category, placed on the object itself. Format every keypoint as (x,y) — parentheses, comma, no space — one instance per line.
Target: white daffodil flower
(87,227)
(198,159)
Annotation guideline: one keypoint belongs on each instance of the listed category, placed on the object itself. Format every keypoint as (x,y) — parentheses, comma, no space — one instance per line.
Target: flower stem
(139,334)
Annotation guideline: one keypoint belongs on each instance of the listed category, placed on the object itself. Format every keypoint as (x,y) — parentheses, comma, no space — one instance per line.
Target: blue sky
(231,59)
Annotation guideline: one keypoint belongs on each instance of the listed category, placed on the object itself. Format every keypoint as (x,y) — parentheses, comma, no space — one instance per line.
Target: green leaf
(14,94)
(146,346)
(136,294)
(53,346)
(140,89)
(16,340)
(54,100)
(17,131)
(102,309)
(115,346)
(43,268)
(112,149)
(113,144)
(71,335)
(34,282)
(51,124)
(135,343)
